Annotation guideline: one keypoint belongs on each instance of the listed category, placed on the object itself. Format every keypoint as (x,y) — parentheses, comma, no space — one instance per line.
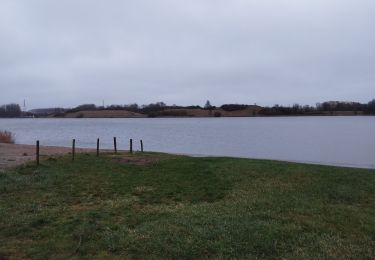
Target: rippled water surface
(346,141)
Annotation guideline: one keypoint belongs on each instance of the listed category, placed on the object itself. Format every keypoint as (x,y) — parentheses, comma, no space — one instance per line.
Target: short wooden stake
(131,145)
(97,147)
(73,149)
(115,144)
(37,152)
(141,146)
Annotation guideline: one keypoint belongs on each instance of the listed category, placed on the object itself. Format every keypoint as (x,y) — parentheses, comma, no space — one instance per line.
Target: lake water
(346,141)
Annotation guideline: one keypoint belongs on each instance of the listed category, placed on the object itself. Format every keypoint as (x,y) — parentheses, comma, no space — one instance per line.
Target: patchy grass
(6,137)
(183,207)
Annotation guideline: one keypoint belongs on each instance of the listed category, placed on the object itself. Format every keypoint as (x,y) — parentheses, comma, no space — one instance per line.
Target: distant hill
(160,109)
(102,114)
(171,112)
(44,112)
(216,112)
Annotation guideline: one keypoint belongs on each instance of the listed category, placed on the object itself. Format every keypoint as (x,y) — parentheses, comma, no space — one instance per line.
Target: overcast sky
(69,52)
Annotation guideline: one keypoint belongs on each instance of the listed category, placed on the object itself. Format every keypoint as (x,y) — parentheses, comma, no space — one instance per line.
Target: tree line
(320,108)
(10,110)
(296,109)
(143,109)
(14,110)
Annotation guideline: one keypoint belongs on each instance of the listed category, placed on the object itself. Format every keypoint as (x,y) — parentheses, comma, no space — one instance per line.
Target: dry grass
(164,113)
(207,113)
(6,137)
(104,114)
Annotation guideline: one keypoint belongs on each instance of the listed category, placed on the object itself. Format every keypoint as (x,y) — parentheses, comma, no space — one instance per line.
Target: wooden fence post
(141,146)
(73,149)
(131,145)
(115,144)
(37,152)
(97,147)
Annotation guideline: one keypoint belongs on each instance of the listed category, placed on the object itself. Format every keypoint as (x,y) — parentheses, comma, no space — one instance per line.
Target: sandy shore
(17,154)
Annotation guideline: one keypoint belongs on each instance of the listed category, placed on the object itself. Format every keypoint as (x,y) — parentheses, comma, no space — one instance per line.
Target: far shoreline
(189,117)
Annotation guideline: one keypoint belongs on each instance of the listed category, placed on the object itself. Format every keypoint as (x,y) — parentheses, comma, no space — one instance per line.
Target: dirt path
(16,154)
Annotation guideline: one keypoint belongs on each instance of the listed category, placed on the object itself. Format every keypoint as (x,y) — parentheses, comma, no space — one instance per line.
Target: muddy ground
(16,154)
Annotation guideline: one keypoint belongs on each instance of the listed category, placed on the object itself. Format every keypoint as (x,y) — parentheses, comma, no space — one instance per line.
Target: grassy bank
(180,207)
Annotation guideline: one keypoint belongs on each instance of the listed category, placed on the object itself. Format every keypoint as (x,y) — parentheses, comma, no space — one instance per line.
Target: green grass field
(183,207)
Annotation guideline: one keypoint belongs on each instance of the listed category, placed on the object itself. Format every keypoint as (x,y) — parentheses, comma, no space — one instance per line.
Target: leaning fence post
(97,147)
(131,145)
(73,149)
(115,144)
(37,152)
(141,146)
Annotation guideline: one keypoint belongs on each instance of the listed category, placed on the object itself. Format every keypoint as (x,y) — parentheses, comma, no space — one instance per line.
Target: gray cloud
(242,51)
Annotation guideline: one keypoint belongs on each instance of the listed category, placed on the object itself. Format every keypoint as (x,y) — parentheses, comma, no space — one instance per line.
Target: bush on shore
(6,137)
